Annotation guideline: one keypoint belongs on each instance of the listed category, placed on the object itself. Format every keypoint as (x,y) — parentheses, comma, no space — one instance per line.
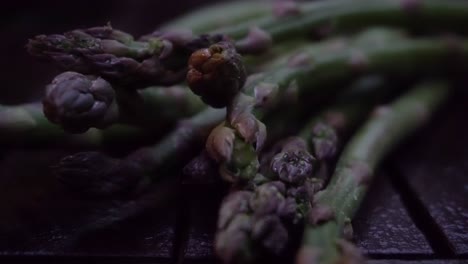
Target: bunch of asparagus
(291,104)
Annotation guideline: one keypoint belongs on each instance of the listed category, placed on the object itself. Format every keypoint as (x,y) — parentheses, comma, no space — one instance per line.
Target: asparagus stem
(168,105)
(178,145)
(26,125)
(336,205)
(345,15)
(219,15)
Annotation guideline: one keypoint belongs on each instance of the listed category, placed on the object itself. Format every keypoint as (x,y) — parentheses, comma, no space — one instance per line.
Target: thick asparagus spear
(78,102)
(219,15)
(334,207)
(343,15)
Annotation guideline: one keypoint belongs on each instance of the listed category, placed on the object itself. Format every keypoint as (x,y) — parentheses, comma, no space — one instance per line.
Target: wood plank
(382,226)
(203,213)
(435,166)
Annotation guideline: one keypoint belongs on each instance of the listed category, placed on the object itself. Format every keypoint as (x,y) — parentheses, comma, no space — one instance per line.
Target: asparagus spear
(78,102)
(335,206)
(153,162)
(279,200)
(159,58)
(219,15)
(234,143)
(26,125)
(345,15)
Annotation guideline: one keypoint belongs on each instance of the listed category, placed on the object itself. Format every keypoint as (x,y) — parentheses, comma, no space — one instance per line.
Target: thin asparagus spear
(344,15)
(335,206)
(26,125)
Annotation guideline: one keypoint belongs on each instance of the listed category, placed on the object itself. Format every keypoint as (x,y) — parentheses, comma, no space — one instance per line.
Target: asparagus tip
(294,163)
(78,102)
(216,74)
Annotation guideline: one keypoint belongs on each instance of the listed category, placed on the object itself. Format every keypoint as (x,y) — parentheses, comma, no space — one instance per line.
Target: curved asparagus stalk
(219,15)
(344,15)
(26,125)
(78,102)
(279,201)
(335,206)
(234,143)
(149,163)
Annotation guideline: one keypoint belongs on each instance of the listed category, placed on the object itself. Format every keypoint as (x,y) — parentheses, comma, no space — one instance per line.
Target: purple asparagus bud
(78,102)
(293,164)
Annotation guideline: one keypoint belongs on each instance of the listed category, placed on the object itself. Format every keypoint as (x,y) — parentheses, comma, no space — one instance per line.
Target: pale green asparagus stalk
(325,17)
(219,15)
(26,125)
(335,206)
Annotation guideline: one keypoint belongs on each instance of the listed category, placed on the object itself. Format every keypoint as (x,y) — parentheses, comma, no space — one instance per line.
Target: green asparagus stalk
(78,102)
(219,15)
(325,17)
(26,125)
(334,207)
(103,173)
(234,143)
